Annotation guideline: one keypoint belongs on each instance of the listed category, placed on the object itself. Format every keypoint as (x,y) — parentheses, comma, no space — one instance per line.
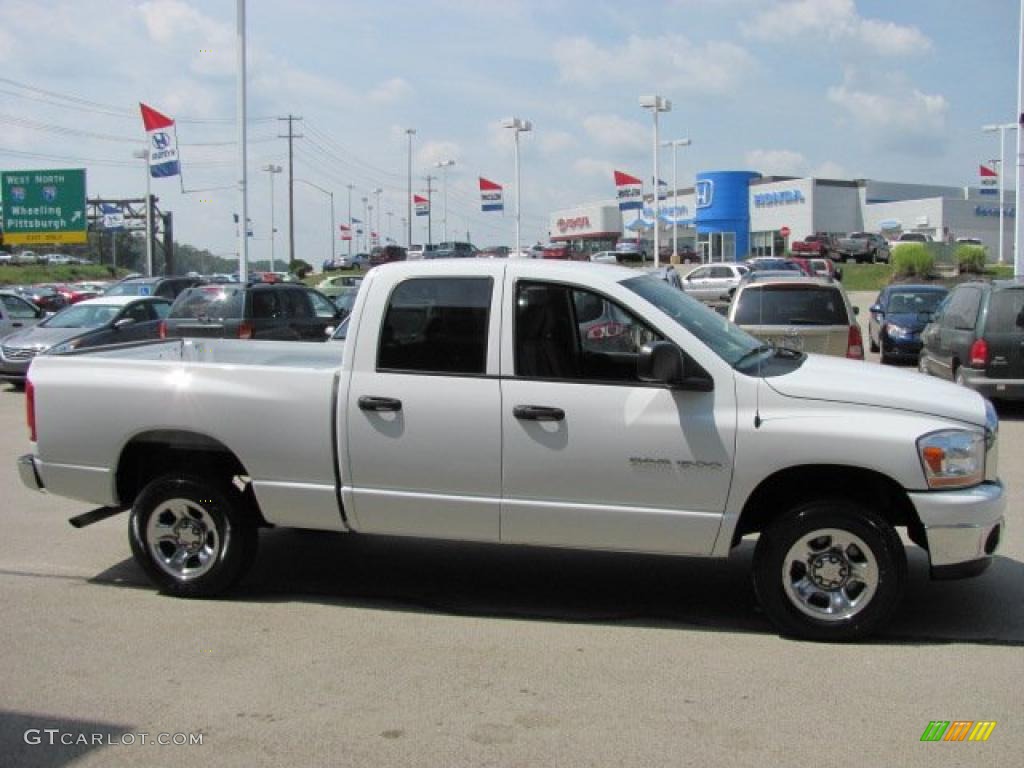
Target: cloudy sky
(836,88)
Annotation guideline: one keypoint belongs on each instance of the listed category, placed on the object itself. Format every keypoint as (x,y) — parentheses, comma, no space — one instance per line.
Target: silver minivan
(806,314)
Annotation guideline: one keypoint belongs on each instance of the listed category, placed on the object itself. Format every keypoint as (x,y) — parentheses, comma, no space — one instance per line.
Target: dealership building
(729,215)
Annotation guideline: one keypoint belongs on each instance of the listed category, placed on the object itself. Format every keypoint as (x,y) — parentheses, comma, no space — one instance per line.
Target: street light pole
(656,104)
(273,170)
(444,165)
(518,126)
(330,194)
(377,193)
(675,144)
(351,234)
(366,223)
(243,238)
(410,132)
(1002,128)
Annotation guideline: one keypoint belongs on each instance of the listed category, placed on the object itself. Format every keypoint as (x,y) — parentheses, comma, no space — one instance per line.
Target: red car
(74,294)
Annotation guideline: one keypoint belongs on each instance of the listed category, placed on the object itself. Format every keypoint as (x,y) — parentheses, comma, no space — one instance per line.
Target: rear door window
(791,305)
(266,305)
(322,306)
(1006,311)
(213,301)
(18,309)
(962,311)
(437,325)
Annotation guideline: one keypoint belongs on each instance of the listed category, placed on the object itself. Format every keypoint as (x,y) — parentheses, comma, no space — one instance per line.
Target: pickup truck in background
(529,402)
(820,245)
(863,248)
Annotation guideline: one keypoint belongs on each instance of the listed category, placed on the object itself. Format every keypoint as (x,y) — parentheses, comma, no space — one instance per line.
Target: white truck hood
(837,379)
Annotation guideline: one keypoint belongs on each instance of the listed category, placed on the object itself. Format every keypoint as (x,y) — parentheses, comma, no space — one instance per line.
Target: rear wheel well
(153,454)
(787,488)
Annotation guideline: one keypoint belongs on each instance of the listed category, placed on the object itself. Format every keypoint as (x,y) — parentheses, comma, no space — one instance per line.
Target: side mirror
(662,362)
(856,310)
(329,331)
(876,309)
(124,322)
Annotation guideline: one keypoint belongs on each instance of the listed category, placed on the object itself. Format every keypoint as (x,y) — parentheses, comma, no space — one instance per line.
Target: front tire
(191,536)
(829,570)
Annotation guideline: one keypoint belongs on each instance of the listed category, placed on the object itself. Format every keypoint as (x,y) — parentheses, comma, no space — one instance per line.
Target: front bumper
(1007,389)
(29,473)
(962,528)
(903,347)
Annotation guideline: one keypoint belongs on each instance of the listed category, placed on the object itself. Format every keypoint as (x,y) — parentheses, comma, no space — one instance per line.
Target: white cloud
(836,22)
(178,25)
(429,154)
(896,115)
(588,166)
(615,131)
(830,170)
(390,91)
(556,142)
(665,62)
(777,162)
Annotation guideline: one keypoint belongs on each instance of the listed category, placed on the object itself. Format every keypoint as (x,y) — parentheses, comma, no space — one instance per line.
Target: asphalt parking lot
(382,652)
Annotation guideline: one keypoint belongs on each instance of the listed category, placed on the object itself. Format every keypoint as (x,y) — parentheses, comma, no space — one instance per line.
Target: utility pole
(291,135)
(430,210)
(272,170)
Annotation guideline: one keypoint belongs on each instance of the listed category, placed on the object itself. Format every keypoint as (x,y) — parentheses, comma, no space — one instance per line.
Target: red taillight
(30,409)
(162,329)
(979,354)
(855,344)
(245,330)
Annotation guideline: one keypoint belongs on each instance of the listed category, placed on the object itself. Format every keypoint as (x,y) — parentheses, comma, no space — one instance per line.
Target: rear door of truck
(422,451)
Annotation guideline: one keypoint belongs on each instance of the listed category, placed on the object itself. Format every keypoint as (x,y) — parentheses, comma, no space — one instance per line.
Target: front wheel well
(150,455)
(782,491)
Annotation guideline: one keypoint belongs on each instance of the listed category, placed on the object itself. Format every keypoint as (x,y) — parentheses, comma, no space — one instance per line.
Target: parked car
(466,404)
(415,252)
(805,314)
(910,237)
(334,286)
(630,250)
(826,268)
(166,287)
(44,296)
(103,320)
(604,257)
(778,264)
(862,247)
(821,244)
(711,282)
(257,311)
(976,338)
(897,318)
(16,313)
(386,254)
(344,300)
(557,250)
(76,293)
(456,250)
(357,261)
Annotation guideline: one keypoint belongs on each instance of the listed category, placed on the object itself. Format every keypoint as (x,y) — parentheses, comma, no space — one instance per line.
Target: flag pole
(243,242)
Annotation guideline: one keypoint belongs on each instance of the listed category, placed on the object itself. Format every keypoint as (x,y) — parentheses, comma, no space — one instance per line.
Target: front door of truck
(423,410)
(592,457)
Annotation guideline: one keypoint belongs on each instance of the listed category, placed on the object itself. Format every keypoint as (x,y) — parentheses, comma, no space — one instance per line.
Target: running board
(88,518)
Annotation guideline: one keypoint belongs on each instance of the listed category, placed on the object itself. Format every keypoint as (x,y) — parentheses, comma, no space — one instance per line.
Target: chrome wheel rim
(830,574)
(183,539)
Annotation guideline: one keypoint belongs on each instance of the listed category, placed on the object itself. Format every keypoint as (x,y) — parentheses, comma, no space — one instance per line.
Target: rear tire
(191,536)
(829,570)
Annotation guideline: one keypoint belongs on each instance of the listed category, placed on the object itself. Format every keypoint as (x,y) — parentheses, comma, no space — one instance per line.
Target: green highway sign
(43,207)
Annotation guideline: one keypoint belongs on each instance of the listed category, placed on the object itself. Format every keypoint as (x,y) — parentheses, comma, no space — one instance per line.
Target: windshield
(130,289)
(213,302)
(83,316)
(906,302)
(716,332)
(790,305)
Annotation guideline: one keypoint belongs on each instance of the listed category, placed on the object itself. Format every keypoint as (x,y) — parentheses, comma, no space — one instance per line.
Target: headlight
(60,349)
(898,331)
(953,458)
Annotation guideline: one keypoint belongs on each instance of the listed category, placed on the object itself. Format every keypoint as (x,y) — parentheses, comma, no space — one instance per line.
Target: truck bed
(227,351)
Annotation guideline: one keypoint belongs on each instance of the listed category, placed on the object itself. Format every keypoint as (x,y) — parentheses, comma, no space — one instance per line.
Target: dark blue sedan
(898,316)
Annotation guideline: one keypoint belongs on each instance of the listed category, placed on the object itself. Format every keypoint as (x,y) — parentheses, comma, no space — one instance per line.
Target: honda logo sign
(704,193)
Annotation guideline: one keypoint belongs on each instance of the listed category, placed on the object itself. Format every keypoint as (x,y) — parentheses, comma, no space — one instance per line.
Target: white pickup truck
(530,403)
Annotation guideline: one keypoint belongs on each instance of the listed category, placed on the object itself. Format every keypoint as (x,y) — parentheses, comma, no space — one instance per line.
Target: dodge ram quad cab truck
(529,402)
(866,247)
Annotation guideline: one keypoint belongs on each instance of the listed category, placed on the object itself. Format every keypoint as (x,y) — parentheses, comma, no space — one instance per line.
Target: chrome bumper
(963,528)
(29,474)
